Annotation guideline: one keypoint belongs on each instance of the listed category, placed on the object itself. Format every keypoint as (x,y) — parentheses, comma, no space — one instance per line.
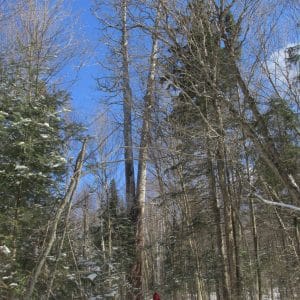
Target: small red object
(156,296)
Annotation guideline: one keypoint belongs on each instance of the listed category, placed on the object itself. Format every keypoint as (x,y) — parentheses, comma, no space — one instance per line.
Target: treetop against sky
(96,63)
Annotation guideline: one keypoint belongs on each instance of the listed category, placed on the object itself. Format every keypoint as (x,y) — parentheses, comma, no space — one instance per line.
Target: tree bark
(127,108)
(52,232)
(137,271)
(85,224)
(224,186)
(297,234)
(223,273)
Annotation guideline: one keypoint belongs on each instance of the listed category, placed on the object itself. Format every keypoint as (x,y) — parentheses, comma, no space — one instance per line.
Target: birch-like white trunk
(52,232)
(137,271)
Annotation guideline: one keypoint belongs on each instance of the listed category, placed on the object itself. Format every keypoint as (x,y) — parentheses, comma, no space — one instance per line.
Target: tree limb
(280,204)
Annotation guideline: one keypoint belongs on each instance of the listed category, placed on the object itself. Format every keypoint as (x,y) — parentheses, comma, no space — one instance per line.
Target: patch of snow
(20,167)
(71,276)
(111,294)
(51,258)
(13,284)
(46,124)
(21,143)
(96,269)
(5,250)
(88,263)
(44,136)
(41,174)
(92,276)
(3,113)
(292,179)
(55,165)
(213,296)
(26,120)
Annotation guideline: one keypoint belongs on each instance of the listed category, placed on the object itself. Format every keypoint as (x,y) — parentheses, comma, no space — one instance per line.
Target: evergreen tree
(113,237)
(198,72)
(32,164)
(282,122)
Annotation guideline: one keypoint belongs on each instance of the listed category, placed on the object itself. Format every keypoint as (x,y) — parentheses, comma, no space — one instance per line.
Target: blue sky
(87,100)
(84,93)
(86,97)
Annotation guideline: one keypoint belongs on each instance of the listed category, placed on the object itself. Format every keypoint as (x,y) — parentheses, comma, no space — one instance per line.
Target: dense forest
(185,181)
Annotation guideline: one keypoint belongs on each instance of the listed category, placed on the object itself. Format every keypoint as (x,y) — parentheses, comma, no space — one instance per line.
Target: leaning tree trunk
(52,231)
(266,146)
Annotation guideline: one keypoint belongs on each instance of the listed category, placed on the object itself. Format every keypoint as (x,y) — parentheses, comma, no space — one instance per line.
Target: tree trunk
(16,225)
(227,200)
(222,275)
(127,108)
(258,281)
(85,225)
(137,271)
(266,147)
(192,237)
(59,251)
(236,240)
(297,235)
(256,251)
(52,231)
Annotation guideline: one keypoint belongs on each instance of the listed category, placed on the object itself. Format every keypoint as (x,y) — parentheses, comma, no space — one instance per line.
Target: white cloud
(281,72)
